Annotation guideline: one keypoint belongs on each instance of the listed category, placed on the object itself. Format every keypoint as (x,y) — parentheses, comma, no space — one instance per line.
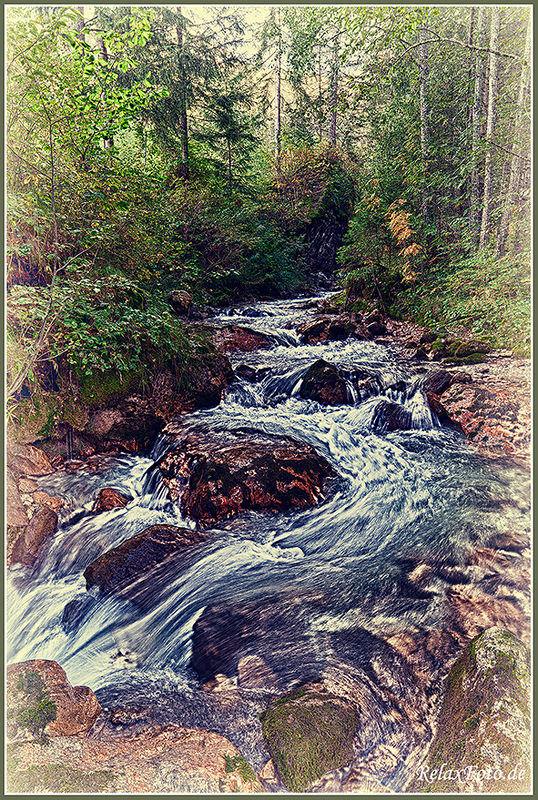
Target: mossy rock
(104,388)
(308,733)
(57,778)
(484,724)
(474,358)
(462,348)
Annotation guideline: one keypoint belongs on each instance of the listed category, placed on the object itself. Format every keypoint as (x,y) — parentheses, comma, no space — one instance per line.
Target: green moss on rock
(104,388)
(308,733)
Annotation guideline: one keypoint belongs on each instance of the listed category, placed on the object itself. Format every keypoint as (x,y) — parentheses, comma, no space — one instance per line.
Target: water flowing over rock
(136,557)
(216,475)
(482,739)
(325,329)
(77,707)
(30,542)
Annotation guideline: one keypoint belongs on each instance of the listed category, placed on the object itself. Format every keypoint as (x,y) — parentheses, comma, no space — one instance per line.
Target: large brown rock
(215,475)
(134,558)
(235,339)
(180,302)
(30,542)
(324,383)
(77,707)
(25,459)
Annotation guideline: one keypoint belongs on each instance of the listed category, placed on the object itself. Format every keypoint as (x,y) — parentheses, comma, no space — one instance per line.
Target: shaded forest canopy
(238,155)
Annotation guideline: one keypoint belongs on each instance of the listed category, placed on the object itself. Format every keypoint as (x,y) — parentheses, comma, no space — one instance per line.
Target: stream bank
(413,544)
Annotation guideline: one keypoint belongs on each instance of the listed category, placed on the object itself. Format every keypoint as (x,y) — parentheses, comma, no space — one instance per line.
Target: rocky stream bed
(308,570)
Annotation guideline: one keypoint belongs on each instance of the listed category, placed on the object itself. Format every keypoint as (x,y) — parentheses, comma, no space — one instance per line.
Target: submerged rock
(308,733)
(76,707)
(30,542)
(215,475)
(482,743)
(134,558)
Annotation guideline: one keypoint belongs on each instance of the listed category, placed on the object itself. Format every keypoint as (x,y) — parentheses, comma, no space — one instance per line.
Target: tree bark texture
(334,90)
(487,205)
(278,94)
(516,162)
(477,128)
(183,123)
(424,117)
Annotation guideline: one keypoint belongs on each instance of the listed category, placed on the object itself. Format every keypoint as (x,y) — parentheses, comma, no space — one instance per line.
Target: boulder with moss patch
(484,725)
(308,733)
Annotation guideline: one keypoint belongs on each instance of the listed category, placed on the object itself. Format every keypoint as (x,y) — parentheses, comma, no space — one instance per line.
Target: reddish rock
(77,707)
(30,542)
(218,474)
(108,499)
(235,339)
(488,417)
(15,512)
(27,460)
(45,499)
(134,558)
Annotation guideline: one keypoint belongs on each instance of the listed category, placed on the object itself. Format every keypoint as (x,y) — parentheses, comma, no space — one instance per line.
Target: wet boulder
(484,725)
(308,733)
(30,542)
(324,383)
(217,474)
(390,416)
(39,696)
(135,557)
(325,329)
(108,498)
(438,381)
(235,339)
(441,413)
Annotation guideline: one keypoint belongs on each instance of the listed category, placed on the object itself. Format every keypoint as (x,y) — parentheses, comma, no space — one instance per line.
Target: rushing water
(321,583)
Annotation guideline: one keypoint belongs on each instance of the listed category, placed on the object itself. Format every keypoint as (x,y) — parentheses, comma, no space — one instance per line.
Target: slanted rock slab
(484,724)
(134,558)
(30,542)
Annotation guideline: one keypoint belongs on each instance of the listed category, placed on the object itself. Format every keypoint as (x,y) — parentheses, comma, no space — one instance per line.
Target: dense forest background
(237,155)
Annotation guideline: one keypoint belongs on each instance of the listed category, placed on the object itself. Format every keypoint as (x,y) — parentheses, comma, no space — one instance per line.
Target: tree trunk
(108,142)
(278,95)
(424,117)
(320,97)
(183,123)
(230,177)
(490,128)
(79,25)
(517,146)
(334,90)
(476,129)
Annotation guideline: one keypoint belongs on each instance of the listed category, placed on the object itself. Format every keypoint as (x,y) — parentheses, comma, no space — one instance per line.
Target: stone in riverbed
(484,725)
(109,498)
(217,474)
(326,329)
(30,542)
(323,382)
(27,460)
(235,339)
(390,416)
(308,733)
(77,707)
(116,569)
